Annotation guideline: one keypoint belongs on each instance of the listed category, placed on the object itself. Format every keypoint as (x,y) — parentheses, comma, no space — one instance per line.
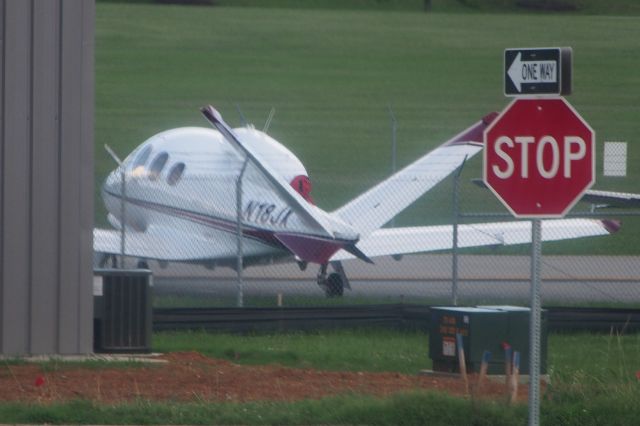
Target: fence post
(394,127)
(454,250)
(123,197)
(239,263)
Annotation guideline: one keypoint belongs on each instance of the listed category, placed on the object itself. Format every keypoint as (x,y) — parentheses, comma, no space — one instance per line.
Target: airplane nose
(113,183)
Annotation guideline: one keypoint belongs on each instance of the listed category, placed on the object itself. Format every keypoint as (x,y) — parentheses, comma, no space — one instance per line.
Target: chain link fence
(201,235)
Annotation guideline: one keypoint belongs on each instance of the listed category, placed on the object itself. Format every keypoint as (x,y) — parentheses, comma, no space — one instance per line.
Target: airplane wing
(381,203)
(394,241)
(612,198)
(602,198)
(156,243)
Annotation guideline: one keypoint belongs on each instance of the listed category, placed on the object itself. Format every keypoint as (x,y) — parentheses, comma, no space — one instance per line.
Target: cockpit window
(142,157)
(175,174)
(157,165)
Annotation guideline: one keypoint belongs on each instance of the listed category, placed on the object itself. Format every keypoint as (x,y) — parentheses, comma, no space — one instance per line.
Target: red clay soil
(190,376)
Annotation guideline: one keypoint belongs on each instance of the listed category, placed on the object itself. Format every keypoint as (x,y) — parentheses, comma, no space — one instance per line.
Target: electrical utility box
(518,334)
(488,328)
(122,310)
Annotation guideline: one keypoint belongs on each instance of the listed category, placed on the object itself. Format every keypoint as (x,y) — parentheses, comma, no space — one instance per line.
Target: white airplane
(181,205)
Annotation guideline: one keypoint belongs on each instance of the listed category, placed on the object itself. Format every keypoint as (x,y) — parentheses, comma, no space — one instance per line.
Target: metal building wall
(46,176)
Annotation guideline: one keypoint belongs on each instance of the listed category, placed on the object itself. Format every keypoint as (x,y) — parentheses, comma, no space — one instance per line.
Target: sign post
(535,324)
(539,158)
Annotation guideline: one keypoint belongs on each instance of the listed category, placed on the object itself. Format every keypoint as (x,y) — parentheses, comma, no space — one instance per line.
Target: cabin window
(157,165)
(175,174)
(142,157)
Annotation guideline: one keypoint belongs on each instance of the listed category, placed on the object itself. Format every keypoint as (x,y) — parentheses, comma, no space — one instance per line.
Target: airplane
(189,193)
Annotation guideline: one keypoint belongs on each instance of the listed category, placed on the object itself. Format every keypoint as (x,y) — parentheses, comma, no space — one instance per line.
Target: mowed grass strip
(604,358)
(416,408)
(338,350)
(403,409)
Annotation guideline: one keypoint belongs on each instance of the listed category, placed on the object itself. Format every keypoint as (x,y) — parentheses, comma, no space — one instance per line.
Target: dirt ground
(190,376)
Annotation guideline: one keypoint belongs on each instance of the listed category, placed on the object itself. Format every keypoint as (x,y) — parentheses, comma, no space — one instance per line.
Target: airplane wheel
(335,286)
(108,261)
(142,264)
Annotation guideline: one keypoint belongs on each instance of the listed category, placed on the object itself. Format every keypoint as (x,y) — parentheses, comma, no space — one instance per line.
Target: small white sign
(448,348)
(530,72)
(615,159)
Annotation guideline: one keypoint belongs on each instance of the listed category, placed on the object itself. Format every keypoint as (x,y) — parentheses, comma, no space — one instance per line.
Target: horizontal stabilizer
(285,190)
(395,241)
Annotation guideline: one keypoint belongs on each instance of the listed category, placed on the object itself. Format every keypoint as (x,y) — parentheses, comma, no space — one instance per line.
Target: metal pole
(394,127)
(123,217)
(535,324)
(123,196)
(239,264)
(454,252)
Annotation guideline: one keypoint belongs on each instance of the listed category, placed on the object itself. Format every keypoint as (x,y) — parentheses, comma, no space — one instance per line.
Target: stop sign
(539,157)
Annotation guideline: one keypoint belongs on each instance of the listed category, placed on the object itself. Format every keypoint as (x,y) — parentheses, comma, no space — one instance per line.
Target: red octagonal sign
(539,157)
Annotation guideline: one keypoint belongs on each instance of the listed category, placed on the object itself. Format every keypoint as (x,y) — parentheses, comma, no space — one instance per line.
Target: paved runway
(495,279)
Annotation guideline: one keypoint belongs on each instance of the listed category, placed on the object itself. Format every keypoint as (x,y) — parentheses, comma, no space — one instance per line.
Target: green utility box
(482,328)
(518,334)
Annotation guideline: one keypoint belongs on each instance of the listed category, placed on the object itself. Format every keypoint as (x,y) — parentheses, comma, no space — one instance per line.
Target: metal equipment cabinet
(518,334)
(482,328)
(122,310)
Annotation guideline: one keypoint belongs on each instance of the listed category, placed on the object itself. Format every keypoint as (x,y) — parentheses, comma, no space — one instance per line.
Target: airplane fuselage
(163,174)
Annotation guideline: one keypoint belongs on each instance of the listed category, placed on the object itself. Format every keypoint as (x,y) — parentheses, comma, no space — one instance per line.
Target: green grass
(340,350)
(595,359)
(405,409)
(331,76)
(601,357)
(594,379)
(417,408)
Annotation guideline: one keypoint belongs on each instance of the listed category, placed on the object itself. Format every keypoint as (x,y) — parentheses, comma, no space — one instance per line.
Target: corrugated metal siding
(46,176)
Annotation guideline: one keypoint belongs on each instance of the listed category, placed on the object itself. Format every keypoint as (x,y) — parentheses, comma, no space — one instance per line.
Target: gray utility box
(122,310)
(482,328)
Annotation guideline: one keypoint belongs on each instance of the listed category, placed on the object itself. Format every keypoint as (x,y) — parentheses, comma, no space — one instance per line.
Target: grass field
(332,74)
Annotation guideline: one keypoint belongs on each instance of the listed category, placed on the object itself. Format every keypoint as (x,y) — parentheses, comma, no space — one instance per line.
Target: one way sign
(545,71)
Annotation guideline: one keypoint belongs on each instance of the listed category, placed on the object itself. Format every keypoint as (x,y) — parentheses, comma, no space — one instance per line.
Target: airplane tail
(312,235)
(380,204)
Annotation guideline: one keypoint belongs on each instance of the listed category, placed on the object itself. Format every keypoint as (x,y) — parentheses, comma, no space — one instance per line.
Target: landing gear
(335,283)
(106,260)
